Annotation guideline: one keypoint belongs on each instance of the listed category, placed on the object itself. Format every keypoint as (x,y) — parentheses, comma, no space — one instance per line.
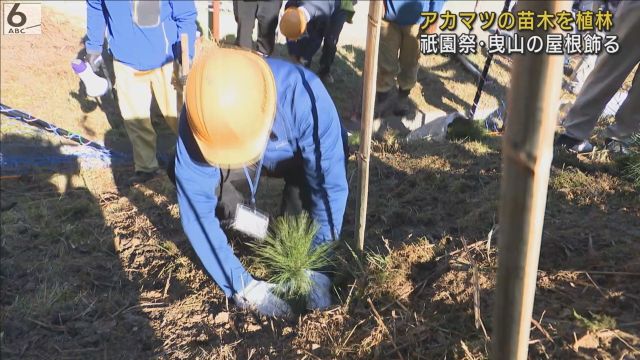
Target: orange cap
(231,104)
(293,23)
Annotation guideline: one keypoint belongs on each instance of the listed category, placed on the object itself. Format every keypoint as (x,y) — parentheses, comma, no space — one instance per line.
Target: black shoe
(382,103)
(140,177)
(326,78)
(403,105)
(573,145)
(616,146)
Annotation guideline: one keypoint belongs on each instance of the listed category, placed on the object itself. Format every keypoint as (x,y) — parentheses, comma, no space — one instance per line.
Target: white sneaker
(320,296)
(258,296)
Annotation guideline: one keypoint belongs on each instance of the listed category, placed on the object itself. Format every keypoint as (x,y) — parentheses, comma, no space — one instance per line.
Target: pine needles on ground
(288,255)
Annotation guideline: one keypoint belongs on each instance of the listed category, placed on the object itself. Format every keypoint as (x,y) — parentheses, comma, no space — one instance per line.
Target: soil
(92,269)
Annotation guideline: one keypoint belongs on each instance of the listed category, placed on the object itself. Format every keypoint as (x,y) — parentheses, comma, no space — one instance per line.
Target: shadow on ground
(65,293)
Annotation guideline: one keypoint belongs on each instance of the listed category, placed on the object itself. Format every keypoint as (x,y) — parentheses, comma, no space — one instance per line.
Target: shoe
(259,296)
(382,103)
(326,78)
(616,146)
(573,145)
(320,296)
(140,177)
(402,106)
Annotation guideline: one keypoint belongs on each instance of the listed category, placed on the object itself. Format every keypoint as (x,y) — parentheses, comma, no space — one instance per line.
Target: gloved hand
(94,60)
(320,296)
(258,296)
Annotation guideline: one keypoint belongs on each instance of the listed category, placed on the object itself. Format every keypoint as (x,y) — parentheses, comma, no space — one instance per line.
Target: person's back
(408,12)
(142,34)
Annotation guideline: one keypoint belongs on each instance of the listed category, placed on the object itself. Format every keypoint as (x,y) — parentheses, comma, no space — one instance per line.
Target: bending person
(247,115)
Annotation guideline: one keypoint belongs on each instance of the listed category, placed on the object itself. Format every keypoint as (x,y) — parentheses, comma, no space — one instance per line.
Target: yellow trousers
(398,56)
(135,90)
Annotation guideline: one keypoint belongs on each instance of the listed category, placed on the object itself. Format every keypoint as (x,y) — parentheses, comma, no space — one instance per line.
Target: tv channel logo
(21,18)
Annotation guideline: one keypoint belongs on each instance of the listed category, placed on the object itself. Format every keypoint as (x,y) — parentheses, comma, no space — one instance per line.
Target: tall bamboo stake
(368,102)
(527,153)
(214,20)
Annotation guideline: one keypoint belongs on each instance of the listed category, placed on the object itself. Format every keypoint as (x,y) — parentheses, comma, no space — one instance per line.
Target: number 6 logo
(22,18)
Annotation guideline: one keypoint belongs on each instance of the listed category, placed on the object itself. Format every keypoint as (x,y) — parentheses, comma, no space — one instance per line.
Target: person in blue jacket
(247,115)
(400,51)
(309,24)
(144,39)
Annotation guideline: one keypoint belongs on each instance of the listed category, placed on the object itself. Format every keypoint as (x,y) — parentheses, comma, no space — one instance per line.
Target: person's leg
(267,16)
(310,43)
(134,100)
(330,45)
(233,190)
(390,39)
(164,90)
(245,14)
(296,195)
(628,116)
(607,77)
(408,76)
(409,56)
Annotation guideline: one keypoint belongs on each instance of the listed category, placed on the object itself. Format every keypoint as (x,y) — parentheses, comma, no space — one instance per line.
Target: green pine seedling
(288,256)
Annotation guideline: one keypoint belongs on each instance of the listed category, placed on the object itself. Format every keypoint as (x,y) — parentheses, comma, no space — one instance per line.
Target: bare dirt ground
(91,269)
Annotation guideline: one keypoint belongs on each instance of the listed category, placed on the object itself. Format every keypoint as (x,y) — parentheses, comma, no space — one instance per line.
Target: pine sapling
(288,255)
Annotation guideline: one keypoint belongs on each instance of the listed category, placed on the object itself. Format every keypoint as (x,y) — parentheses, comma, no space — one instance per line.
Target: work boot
(616,146)
(382,103)
(320,296)
(573,145)
(140,177)
(403,105)
(258,296)
(326,78)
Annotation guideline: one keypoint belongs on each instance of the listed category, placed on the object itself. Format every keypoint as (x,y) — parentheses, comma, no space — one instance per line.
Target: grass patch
(597,322)
(570,179)
(354,139)
(466,130)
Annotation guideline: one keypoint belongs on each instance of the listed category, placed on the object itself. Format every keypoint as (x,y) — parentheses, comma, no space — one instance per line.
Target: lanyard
(253,186)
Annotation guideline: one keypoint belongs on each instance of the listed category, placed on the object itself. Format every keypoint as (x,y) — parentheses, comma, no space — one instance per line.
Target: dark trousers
(323,32)
(234,188)
(266,12)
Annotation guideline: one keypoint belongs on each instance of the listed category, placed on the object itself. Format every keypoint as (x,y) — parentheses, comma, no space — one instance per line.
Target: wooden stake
(214,20)
(527,153)
(370,75)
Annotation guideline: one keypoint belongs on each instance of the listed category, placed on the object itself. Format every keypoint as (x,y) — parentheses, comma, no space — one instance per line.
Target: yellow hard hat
(293,23)
(231,104)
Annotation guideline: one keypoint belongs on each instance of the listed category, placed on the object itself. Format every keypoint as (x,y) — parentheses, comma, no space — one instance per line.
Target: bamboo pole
(527,153)
(214,20)
(368,102)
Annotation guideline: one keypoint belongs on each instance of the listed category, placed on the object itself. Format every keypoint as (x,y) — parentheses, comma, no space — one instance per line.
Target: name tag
(251,222)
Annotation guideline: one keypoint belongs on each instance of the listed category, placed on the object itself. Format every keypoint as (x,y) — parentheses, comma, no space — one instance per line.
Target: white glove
(320,296)
(258,296)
